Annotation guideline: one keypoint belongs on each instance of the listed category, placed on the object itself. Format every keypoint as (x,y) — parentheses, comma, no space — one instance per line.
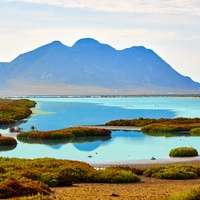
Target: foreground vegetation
(162,125)
(192,194)
(36,177)
(12,111)
(174,172)
(24,177)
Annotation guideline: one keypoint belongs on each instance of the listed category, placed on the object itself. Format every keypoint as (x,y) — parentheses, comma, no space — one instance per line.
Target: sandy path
(148,189)
(148,162)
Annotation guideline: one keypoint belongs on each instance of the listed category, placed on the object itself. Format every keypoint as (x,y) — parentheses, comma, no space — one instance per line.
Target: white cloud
(136,6)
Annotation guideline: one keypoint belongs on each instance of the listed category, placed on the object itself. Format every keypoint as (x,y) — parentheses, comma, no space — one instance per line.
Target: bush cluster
(192,194)
(74,132)
(32,176)
(195,132)
(23,187)
(173,172)
(112,175)
(183,152)
(135,170)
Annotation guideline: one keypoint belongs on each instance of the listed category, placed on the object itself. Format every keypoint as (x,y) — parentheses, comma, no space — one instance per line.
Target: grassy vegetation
(66,133)
(163,125)
(183,152)
(192,194)
(34,178)
(132,122)
(12,111)
(195,132)
(7,141)
(24,177)
(173,172)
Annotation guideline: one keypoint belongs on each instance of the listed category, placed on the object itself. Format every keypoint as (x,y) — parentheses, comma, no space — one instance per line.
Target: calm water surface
(60,113)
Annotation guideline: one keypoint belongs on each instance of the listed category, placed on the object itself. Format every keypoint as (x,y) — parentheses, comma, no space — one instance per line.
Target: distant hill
(89,67)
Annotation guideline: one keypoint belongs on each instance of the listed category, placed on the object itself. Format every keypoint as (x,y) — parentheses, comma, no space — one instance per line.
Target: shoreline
(146,162)
(101,95)
(113,128)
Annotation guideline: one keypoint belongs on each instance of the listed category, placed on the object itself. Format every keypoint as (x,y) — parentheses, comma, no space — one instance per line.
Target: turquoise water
(67,112)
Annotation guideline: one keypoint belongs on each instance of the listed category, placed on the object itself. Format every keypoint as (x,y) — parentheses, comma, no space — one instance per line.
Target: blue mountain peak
(86,42)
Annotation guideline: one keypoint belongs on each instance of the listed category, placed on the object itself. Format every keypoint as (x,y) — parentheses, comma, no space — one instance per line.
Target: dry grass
(147,189)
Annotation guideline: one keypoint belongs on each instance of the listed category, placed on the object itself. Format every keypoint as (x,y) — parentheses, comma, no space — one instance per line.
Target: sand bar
(146,162)
(115,128)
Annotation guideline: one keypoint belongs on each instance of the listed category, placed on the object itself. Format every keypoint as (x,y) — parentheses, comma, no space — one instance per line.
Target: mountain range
(91,68)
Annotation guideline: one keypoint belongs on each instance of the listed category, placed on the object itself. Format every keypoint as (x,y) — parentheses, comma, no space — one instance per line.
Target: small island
(155,127)
(67,133)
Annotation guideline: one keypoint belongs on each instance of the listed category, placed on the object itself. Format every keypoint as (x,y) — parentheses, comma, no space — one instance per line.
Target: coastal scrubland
(48,178)
(11,111)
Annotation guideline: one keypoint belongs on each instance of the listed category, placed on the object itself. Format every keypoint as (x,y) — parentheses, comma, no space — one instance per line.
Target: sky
(171,28)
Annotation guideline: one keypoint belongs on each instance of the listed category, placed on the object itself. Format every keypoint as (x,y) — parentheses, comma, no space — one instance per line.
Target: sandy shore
(147,162)
(115,128)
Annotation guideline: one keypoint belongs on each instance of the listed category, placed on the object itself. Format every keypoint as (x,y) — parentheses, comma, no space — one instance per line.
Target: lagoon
(57,113)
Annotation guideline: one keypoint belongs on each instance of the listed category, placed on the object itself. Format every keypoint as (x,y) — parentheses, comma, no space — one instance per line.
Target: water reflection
(54,142)
(168,134)
(122,145)
(7,147)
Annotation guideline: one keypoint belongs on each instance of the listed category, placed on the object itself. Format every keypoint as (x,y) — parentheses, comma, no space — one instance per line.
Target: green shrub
(135,170)
(32,174)
(110,175)
(23,187)
(173,172)
(192,194)
(52,179)
(195,132)
(183,152)
(157,128)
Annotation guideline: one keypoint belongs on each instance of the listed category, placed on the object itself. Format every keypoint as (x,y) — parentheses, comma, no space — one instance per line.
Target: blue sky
(169,27)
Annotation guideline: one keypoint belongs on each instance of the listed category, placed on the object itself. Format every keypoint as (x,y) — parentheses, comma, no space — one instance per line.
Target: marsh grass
(195,132)
(183,152)
(67,133)
(192,194)
(156,127)
(180,172)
